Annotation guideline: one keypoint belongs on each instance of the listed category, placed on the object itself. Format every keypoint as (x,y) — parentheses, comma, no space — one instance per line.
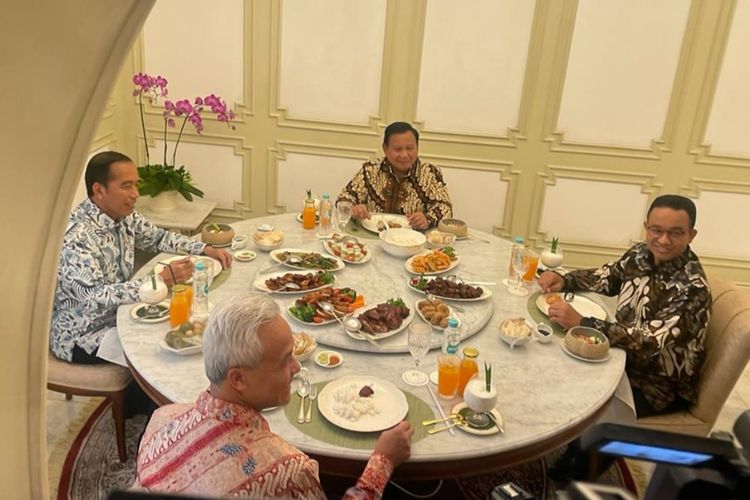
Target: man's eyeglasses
(672,234)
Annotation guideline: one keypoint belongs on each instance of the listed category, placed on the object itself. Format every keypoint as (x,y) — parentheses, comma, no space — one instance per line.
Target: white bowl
(261,238)
(402,242)
(517,338)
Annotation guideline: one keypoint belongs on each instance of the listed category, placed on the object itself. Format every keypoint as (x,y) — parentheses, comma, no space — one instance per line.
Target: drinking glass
(419,343)
(521,262)
(343,214)
(530,274)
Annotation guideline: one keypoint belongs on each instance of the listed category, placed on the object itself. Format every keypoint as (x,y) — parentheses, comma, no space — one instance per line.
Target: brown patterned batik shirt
(422,190)
(661,319)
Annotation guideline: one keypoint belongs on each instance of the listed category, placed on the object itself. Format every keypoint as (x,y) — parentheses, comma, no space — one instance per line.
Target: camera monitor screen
(654,453)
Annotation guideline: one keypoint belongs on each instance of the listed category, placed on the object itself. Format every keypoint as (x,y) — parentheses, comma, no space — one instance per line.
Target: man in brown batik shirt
(399,183)
(662,311)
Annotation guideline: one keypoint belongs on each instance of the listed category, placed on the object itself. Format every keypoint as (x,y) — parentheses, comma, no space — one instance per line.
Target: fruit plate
(331,246)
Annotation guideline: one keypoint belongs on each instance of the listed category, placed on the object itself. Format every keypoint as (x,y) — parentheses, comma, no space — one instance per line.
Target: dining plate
(486,292)
(581,358)
(409,262)
(451,314)
(215,266)
(384,335)
(328,244)
(260,282)
(583,305)
(185,351)
(484,430)
(338,263)
(391,220)
(387,402)
(138,313)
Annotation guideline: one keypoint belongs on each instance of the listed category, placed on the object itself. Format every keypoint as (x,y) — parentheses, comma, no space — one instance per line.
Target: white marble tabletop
(542,391)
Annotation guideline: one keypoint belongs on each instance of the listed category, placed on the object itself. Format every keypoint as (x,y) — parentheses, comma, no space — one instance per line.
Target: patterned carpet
(92,469)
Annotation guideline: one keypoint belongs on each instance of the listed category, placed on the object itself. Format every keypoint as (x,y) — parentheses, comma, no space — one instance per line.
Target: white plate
(275,253)
(368,255)
(245,255)
(387,398)
(326,322)
(137,307)
(260,283)
(380,336)
(451,314)
(581,358)
(480,432)
(215,267)
(487,293)
(585,307)
(371,224)
(407,265)
(330,353)
(187,351)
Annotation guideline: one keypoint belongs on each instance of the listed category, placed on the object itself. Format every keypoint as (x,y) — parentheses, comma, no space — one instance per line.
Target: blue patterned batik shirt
(93,276)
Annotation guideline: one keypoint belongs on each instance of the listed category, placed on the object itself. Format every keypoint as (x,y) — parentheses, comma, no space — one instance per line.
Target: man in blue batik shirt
(96,261)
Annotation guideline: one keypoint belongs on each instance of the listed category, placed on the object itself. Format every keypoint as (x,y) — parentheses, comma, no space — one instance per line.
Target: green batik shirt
(661,319)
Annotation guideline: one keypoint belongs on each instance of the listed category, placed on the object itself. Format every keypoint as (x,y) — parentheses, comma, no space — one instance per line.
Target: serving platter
(486,292)
(337,263)
(379,336)
(389,401)
(409,264)
(329,246)
(583,305)
(581,358)
(260,282)
(371,224)
(291,308)
(451,314)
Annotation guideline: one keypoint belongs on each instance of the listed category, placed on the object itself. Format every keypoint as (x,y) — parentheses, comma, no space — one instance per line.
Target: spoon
(303,390)
(457,280)
(352,324)
(289,286)
(292,260)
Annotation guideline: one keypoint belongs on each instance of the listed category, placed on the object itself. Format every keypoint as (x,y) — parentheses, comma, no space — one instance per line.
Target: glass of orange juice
(533,263)
(179,307)
(448,375)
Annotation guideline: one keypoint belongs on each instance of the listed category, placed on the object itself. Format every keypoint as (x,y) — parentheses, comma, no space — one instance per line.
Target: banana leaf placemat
(322,430)
(220,278)
(539,317)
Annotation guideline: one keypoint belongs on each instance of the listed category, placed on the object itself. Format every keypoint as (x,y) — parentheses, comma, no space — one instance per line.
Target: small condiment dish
(543,333)
(328,359)
(244,255)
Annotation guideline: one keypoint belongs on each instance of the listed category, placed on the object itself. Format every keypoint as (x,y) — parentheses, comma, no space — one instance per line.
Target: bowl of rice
(402,242)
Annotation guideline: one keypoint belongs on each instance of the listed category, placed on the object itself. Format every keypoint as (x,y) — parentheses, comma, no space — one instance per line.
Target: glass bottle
(468,369)
(308,213)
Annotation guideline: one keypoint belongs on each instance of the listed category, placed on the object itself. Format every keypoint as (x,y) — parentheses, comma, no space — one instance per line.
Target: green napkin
(322,430)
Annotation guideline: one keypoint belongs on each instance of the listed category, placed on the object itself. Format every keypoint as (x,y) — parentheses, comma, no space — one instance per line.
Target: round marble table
(546,397)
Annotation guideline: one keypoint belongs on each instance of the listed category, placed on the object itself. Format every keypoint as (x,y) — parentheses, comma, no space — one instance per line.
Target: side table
(186,218)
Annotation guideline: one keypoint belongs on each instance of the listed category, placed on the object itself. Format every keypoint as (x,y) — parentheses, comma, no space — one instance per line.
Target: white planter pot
(164,201)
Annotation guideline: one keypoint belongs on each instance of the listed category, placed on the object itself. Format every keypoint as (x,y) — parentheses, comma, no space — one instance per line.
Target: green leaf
(155,179)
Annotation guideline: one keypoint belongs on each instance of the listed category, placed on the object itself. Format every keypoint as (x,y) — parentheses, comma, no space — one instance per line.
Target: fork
(313,394)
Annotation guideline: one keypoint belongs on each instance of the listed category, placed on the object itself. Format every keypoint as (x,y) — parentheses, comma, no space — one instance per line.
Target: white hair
(231,337)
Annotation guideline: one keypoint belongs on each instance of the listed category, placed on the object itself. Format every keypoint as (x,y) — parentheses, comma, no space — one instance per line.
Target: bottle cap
(453,323)
(325,196)
(519,240)
(471,352)
(200,266)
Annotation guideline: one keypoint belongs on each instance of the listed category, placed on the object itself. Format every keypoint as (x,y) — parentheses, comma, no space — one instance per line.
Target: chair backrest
(727,347)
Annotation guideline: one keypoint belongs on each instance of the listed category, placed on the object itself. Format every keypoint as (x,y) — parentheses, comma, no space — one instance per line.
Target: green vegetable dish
(310,260)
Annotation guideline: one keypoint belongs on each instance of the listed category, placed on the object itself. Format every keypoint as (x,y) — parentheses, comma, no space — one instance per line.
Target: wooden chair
(105,380)
(727,347)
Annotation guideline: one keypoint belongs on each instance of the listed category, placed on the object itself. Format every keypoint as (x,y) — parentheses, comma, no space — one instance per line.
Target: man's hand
(182,270)
(417,220)
(564,315)
(550,282)
(221,255)
(360,212)
(395,443)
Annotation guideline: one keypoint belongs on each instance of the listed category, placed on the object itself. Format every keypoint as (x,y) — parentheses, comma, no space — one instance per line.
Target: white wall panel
(331,59)
(729,121)
(594,211)
(321,174)
(197,46)
(478,196)
(722,224)
(621,68)
(473,64)
(216,170)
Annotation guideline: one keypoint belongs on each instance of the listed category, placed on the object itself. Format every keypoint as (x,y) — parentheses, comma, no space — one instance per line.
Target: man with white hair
(221,444)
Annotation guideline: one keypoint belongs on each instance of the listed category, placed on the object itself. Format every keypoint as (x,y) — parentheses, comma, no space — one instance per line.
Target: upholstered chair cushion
(105,377)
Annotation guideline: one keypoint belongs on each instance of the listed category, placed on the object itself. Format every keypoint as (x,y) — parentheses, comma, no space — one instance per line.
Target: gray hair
(231,338)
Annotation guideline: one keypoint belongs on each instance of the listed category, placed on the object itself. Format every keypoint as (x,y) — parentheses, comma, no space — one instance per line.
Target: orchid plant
(159,177)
